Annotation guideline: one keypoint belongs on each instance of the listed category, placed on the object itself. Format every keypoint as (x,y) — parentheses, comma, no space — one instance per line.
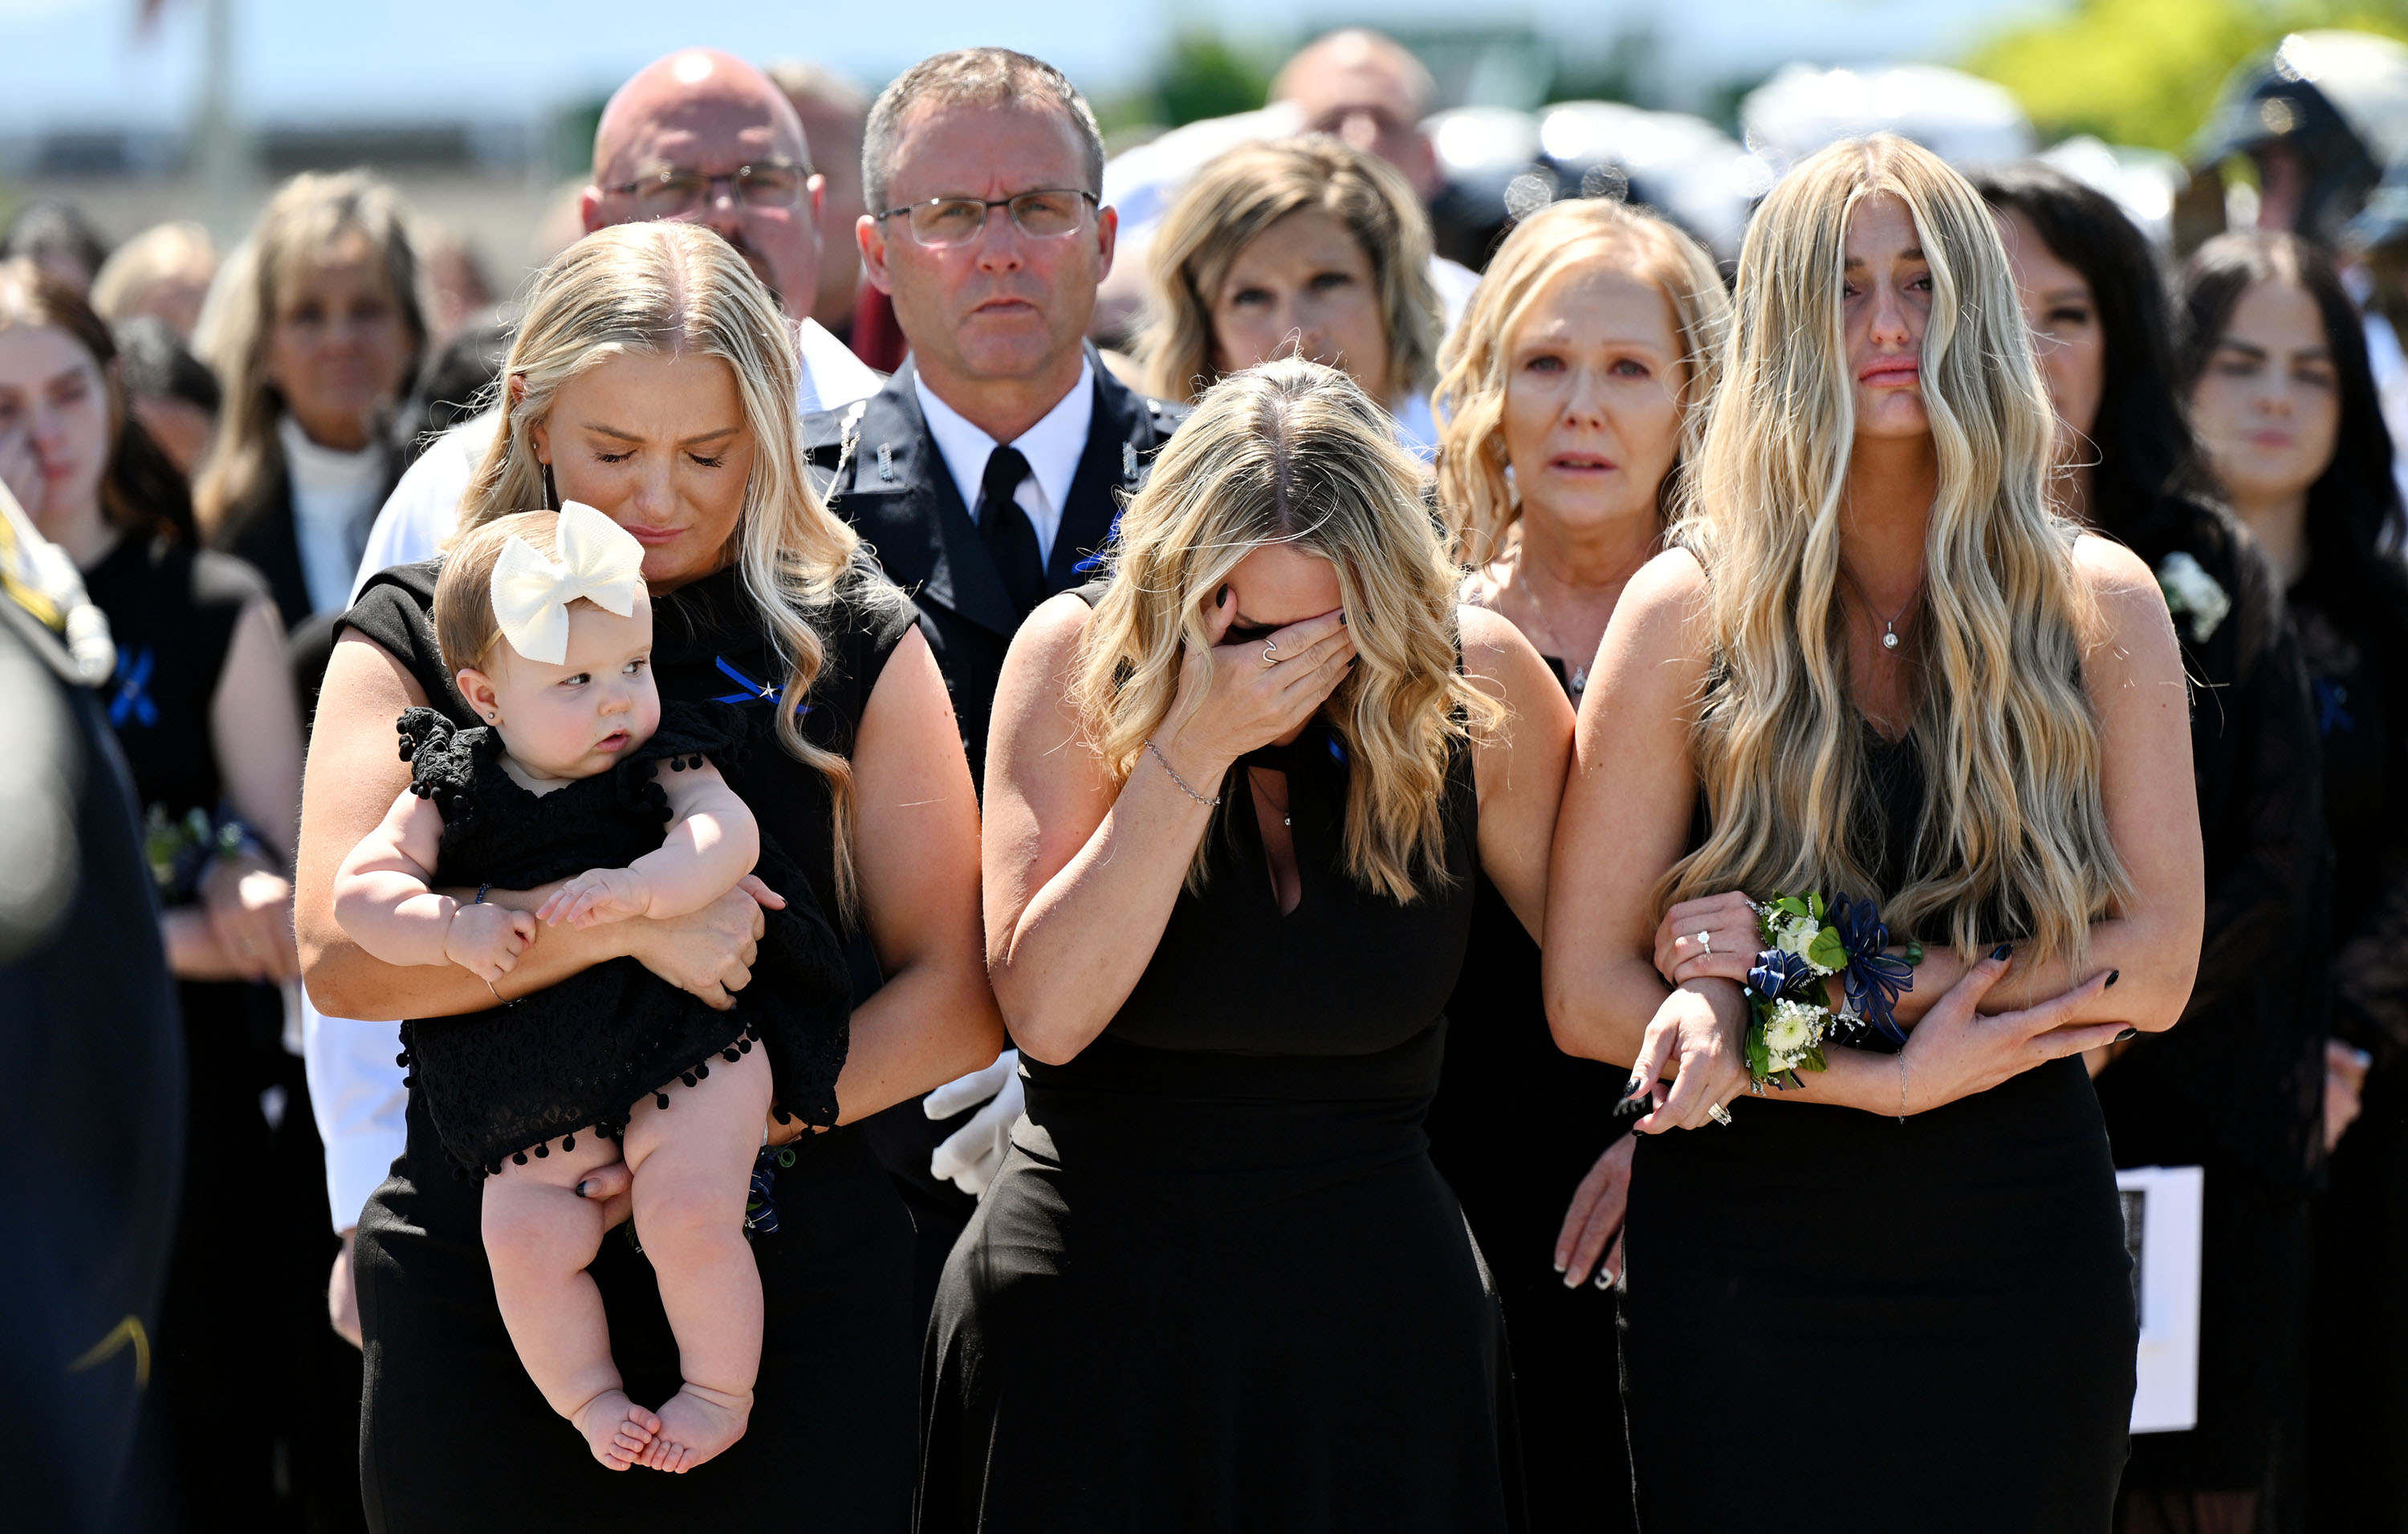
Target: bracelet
(1901,1086)
(481,891)
(1212,803)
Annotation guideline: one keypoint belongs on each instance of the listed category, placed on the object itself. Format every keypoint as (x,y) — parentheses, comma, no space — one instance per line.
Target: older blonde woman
(1235,799)
(1571,394)
(314,329)
(654,378)
(1875,665)
(1303,247)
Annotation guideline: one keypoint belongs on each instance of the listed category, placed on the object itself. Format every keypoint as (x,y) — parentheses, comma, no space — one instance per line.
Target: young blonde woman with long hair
(1875,665)
(1571,395)
(1235,797)
(654,378)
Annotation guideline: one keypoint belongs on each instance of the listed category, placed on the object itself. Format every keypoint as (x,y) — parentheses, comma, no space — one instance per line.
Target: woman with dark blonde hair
(654,379)
(1304,247)
(314,329)
(1235,797)
(1571,394)
(1875,675)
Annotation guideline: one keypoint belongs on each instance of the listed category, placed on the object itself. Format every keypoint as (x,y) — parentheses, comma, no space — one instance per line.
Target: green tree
(2147,72)
(1204,77)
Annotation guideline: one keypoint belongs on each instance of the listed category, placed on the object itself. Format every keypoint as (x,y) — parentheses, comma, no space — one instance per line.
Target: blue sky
(79,63)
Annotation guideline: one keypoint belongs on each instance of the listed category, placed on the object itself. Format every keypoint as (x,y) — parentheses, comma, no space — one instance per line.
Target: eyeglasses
(669,192)
(1047,213)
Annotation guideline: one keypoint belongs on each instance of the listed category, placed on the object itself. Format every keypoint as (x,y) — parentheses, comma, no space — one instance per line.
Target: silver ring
(1717,1113)
(1706,941)
(1269,646)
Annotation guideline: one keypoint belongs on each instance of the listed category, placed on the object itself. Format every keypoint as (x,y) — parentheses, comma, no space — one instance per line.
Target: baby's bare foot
(618,1430)
(696,1424)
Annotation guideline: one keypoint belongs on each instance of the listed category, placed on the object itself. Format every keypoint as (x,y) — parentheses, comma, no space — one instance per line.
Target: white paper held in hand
(2162,1213)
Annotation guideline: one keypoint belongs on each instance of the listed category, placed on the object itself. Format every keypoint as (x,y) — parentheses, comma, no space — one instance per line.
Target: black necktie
(1004,528)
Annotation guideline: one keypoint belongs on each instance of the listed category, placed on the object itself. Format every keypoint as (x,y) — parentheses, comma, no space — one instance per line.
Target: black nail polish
(2114,975)
(579,1190)
(2003,951)
(2127,1036)
(1631,1089)
(1220,597)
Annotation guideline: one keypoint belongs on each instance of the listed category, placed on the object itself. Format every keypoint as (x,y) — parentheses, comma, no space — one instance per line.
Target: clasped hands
(1704,949)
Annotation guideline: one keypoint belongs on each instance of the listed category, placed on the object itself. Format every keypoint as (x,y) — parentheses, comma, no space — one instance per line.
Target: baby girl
(546,622)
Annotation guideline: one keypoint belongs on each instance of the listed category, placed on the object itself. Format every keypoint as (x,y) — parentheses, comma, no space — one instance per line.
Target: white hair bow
(599,561)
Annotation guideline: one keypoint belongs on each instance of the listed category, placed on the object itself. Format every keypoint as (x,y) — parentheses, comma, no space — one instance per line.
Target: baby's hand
(486,940)
(598,895)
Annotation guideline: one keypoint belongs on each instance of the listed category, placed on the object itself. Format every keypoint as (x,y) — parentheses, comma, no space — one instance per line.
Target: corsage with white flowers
(1806,941)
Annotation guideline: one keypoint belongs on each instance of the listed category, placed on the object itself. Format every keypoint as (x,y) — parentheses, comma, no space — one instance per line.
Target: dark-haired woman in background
(203,709)
(2274,363)
(2238,1088)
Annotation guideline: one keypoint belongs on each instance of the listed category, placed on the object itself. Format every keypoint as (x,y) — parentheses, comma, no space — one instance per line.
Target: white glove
(971,1155)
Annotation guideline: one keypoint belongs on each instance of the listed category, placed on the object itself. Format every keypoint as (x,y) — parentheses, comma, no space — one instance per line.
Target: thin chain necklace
(1284,817)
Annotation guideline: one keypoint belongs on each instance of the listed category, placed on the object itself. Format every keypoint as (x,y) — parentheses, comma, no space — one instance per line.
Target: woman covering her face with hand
(1305,246)
(2274,361)
(1571,393)
(654,379)
(1874,666)
(1235,797)
(2238,1088)
(202,707)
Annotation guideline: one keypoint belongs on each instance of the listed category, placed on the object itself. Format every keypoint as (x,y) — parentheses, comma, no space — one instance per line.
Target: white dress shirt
(332,493)
(1053,446)
(355,1091)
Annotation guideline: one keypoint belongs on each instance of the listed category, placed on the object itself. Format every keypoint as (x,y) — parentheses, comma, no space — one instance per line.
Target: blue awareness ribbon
(132,700)
(2331,714)
(754,692)
(1094,563)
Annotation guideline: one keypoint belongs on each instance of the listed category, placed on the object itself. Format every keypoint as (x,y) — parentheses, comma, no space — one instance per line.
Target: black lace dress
(586,1050)
(1217,1284)
(1838,1320)
(454,1435)
(2237,1087)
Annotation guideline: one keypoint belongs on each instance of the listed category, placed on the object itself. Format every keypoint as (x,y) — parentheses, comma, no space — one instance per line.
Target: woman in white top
(315,330)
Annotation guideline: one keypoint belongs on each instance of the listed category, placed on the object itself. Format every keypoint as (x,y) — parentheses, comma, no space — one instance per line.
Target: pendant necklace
(1889,625)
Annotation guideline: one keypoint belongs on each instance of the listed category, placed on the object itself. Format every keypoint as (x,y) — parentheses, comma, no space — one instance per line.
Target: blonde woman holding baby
(653,380)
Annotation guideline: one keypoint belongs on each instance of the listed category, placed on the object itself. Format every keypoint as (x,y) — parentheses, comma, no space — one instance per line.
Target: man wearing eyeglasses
(699,135)
(988,471)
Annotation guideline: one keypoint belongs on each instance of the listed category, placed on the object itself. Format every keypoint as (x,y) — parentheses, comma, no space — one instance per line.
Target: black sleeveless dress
(1837,1320)
(1217,1284)
(247,1372)
(1516,1125)
(454,1434)
(585,1051)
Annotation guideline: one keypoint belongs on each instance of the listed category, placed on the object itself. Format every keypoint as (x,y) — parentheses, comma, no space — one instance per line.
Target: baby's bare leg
(693,1164)
(539,1238)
